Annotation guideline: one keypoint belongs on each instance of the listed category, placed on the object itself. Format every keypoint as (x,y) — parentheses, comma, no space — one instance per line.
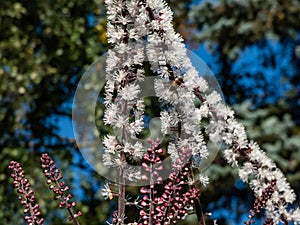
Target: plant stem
(73,217)
(151,195)
(121,199)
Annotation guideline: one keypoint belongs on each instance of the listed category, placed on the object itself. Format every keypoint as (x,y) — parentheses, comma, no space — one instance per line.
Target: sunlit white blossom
(203,179)
(129,92)
(213,98)
(110,143)
(110,114)
(107,192)
(245,171)
(231,157)
(168,119)
(173,151)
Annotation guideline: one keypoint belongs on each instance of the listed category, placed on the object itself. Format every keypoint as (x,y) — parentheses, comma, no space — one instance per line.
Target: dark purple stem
(54,180)
(26,194)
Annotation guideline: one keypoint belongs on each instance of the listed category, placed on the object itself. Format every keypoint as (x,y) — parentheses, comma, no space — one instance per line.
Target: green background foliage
(44,47)
(231,27)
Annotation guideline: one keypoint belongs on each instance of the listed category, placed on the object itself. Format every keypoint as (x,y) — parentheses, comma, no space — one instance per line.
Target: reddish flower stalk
(260,203)
(26,194)
(152,165)
(178,194)
(268,221)
(54,180)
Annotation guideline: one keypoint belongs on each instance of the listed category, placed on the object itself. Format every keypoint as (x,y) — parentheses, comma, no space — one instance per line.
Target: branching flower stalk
(151,165)
(26,195)
(54,180)
(179,196)
(257,168)
(260,203)
(178,83)
(124,111)
(59,188)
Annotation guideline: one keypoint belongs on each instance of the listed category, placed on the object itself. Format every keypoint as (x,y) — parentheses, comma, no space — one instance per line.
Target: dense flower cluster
(255,167)
(176,79)
(131,24)
(54,180)
(152,163)
(124,110)
(178,195)
(150,21)
(26,194)
(260,203)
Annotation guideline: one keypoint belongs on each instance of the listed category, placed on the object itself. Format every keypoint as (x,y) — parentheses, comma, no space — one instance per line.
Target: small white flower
(130,92)
(119,76)
(204,110)
(115,34)
(112,60)
(168,120)
(289,195)
(245,171)
(128,148)
(121,121)
(138,150)
(257,187)
(106,192)
(213,98)
(132,174)
(270,205)
(136,127)
(295,216)
(110,114)
(172,150)
(231,157)
(215,136)
(240,134)
(163,92)
(203,179)
(110,142)
(275,197)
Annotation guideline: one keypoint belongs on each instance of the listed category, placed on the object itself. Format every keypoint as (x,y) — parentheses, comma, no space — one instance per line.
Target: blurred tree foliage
(44,48)
(231,27)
